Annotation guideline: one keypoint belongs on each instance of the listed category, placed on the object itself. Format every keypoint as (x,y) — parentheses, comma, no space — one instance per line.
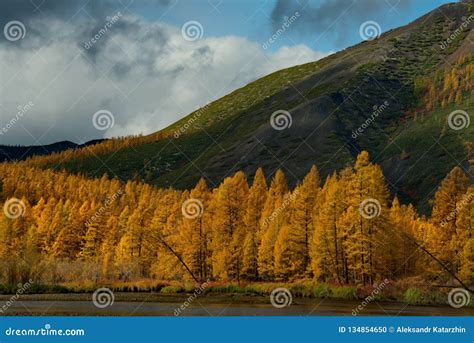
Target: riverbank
(156,304)
(411,293)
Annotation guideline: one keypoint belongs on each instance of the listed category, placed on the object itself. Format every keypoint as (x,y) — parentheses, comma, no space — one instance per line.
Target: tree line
(345,230)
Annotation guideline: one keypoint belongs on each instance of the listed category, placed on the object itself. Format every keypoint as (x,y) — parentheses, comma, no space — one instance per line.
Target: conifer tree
(255,203)
(196,234)
(272,220)
(367,215)
(249,257)
(301,221)
(230,203)
(92,242)
(445,217)
(327,245)
(463,241)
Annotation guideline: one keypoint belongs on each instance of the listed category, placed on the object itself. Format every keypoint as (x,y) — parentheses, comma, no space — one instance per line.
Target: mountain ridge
(11,153)
(327,100)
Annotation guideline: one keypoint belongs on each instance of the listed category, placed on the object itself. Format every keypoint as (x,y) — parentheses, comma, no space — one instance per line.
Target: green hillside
(328,100)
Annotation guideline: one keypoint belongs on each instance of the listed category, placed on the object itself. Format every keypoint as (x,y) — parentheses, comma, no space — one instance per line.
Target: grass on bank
(409,292)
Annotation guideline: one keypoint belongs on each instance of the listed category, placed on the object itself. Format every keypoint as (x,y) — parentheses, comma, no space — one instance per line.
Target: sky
(79,70)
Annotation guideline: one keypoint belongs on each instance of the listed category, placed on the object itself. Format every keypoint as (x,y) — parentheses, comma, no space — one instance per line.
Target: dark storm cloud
(89,16)
(119,27)
(143,72)
(317,17)
(121,69)
(38,15)
(24,10)
(90,34)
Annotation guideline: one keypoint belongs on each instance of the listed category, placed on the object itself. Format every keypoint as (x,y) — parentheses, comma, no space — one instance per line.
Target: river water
(313,307)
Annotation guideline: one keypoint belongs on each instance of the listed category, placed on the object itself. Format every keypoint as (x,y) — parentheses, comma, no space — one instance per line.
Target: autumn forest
(346,229)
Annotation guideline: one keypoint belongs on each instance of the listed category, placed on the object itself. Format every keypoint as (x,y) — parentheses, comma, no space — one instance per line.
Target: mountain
(391,96)
(16,153)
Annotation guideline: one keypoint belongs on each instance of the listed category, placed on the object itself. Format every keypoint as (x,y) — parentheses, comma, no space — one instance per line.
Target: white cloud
(145,73)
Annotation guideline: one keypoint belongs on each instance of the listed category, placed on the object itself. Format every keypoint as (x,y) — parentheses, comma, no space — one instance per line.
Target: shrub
(342,293)
(413,296)
(321,291)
